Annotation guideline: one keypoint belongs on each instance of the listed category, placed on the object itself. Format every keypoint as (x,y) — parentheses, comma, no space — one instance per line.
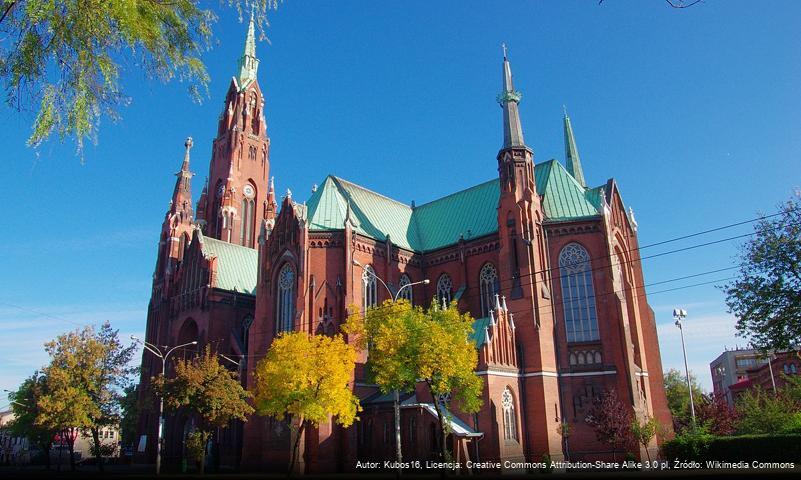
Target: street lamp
(157,351)
(396,400)
(679,314)
(14,401)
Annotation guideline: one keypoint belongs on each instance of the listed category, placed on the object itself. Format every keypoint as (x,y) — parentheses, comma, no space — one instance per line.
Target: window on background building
(509,415)
(285,299)
(369,288)
(444,288)
(488,283)
(578,294)
(405,292)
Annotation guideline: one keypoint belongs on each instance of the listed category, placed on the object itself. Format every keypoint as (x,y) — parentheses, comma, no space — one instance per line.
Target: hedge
(763,448)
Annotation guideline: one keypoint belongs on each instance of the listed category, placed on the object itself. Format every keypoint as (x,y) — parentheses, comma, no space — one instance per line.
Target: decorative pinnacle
(503,46)
(188,145)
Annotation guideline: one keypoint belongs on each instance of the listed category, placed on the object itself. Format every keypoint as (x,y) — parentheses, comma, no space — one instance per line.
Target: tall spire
(572,160)
(248,63)
(508,99)
(183,185)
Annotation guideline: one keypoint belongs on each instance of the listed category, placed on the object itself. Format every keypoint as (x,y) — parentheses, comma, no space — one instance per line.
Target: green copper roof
(470,213)
(479,335)
(236,265)
(563,197)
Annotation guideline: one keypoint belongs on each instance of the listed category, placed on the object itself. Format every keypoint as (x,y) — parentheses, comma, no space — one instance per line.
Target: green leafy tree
(766,295)
(67,405)
(25,405)
(209,392)
(129,414)
(762,412)
(643,432)
(63,59)
(308,379)
(87,373)
(678,397)
(408,344)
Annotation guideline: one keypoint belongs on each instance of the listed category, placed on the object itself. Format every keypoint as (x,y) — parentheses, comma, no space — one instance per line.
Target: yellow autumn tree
(409,344)
(307,378)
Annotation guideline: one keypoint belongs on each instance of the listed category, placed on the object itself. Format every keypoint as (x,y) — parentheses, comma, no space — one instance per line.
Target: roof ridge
(373,192)
(579,185)
(223,242)
(418,207)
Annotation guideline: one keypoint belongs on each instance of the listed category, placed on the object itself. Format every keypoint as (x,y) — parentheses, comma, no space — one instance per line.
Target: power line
(30,310)
(613,264)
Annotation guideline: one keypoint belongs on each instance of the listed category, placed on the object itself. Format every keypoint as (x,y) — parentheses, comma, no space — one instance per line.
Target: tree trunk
(96,448)
(46,452)
(205,438)
(71,448)
(294,456)
(443,442)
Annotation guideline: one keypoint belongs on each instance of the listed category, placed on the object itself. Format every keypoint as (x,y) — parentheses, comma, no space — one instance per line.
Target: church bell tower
(235,199)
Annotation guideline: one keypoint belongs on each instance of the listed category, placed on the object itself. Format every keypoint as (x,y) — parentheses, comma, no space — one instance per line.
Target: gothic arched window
(509,415)
(444,288)
(285,294)
(369,288)
(578,294)
(248,214)
(405,292)
(488,282)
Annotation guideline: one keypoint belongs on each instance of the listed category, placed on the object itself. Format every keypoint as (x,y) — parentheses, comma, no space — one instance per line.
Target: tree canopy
(308,378)
(612,421)
(766,295)
(209,392)
(87,373)
(25,405)
(408,344)
(63,60)
(678,397)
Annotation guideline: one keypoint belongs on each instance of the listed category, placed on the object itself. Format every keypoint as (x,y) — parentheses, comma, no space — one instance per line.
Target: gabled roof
(236,265)
(469,213)
(563,197)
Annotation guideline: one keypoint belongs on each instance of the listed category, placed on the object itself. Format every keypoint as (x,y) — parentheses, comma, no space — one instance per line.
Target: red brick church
(547,264)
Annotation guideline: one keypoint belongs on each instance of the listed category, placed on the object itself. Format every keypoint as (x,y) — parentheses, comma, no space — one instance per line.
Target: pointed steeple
(183,185)
(248,63)
(270,204)
(572,160)
(508,99)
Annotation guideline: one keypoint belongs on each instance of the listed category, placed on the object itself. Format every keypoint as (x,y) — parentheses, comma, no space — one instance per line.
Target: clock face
(248,191)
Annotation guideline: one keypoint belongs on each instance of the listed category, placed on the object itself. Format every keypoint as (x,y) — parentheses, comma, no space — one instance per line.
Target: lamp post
(679,314)
(770,368)
(396,400)
(157,351)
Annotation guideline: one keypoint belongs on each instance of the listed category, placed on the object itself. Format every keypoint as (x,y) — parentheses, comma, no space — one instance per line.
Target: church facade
(547,265)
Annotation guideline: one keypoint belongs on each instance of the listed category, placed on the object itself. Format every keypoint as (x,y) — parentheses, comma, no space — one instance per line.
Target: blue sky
(694,112)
